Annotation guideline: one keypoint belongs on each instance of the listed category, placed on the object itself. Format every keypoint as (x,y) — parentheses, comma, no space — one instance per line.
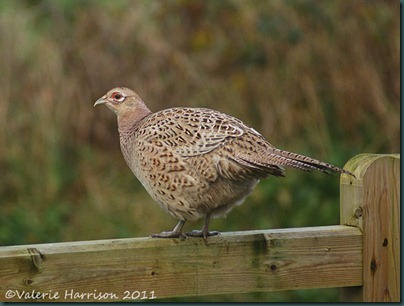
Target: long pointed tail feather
(306,163)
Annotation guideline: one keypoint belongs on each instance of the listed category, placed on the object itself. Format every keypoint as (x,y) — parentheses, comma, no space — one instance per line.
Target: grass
(318,78)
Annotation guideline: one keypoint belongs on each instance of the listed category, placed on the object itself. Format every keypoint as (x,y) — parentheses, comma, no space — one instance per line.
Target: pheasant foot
(175,233)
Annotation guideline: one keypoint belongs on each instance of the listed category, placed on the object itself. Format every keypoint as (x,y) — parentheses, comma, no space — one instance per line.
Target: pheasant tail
(305,163)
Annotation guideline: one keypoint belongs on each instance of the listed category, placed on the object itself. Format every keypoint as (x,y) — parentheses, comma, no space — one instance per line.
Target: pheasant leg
(205,230)
(175,233)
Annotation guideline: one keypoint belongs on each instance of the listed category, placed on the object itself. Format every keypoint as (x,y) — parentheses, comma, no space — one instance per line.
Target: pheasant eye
(118,96)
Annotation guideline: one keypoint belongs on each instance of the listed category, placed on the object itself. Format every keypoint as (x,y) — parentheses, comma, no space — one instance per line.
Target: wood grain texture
(283,259)
(372,204)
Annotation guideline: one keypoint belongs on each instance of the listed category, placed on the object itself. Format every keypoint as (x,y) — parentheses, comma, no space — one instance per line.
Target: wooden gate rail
(361,255)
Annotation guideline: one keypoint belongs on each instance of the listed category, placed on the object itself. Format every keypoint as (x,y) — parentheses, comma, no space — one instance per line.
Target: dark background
(320,78)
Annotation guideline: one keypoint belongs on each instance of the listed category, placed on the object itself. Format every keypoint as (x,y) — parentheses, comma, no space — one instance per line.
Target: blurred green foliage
(319,78)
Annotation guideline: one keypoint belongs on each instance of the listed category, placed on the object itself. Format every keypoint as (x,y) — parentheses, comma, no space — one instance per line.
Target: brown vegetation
(316,77)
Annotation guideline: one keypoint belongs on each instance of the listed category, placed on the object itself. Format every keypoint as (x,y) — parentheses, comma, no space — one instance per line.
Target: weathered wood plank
(372,203)
(282,259)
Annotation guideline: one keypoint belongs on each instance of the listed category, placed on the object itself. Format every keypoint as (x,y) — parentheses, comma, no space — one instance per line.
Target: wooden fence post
(371,202)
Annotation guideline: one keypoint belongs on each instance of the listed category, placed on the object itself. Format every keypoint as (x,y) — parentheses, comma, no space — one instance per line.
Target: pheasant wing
(192,132)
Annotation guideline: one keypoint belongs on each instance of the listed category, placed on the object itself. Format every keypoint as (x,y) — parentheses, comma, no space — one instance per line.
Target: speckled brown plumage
(196,162)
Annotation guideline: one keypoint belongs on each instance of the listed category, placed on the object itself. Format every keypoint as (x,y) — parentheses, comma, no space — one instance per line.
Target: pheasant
(196,162)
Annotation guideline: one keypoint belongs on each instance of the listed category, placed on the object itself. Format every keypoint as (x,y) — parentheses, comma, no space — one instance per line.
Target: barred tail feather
(305,163)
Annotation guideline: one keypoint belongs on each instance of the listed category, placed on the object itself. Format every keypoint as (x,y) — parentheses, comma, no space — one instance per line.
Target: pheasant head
(122,100)
(127,105)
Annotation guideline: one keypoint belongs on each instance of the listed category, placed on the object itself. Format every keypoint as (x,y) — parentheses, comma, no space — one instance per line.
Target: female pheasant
(196,162)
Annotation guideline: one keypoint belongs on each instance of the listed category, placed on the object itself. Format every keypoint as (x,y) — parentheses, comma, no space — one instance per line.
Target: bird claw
(170,234)
(203,233)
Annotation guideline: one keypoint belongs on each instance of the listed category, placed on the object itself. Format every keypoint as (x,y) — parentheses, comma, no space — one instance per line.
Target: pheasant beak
(104,100)
(101,100)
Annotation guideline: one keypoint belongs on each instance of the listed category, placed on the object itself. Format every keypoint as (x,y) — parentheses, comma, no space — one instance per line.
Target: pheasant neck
(128,122)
